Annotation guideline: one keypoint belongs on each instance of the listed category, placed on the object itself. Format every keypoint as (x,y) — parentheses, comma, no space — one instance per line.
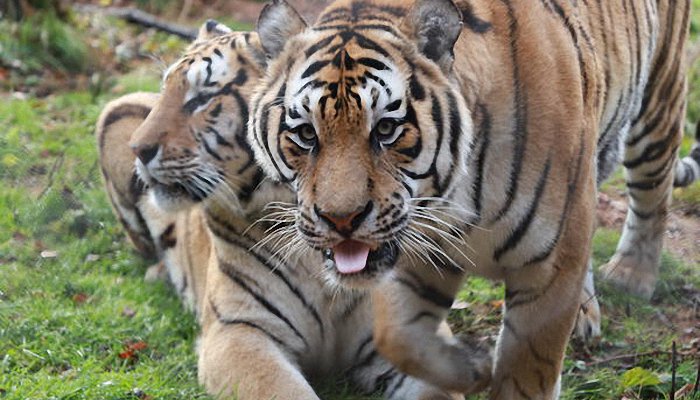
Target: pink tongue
(350,256)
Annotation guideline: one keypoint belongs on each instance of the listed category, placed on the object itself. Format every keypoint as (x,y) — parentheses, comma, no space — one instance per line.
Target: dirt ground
(682,237)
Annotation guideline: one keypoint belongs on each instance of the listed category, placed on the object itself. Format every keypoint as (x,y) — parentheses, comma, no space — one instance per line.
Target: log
(138,17)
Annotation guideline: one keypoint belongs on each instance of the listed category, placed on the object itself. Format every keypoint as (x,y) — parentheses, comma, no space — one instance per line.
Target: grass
(78,322)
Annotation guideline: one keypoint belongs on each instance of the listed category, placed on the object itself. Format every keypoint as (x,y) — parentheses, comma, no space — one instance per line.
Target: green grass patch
(42,40)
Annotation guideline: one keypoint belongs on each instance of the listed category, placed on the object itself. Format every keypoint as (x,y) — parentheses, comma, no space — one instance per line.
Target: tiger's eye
(385,127)
(307,133)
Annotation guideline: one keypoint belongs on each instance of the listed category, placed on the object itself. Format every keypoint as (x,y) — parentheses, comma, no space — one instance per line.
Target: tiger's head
(362,116)
(193,143)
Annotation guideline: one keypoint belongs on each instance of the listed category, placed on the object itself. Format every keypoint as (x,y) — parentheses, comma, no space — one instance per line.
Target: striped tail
(688,168)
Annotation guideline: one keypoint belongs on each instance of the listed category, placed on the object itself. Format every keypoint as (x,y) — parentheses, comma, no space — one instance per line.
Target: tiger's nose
(145,153)
(345,224)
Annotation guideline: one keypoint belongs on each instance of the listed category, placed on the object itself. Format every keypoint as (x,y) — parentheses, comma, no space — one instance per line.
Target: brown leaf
(684,391)
(131,350)
(80,298)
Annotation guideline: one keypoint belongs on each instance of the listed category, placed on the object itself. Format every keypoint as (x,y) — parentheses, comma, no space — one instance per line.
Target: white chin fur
(168,203)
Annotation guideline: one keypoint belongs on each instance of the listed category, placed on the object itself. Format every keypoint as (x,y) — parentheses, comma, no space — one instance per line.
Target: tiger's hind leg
(587,327)
(651,154)
(117,121)
(244,360)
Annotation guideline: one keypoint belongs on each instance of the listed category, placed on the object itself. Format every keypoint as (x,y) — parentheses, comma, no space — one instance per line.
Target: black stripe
(484,139)
(229,321)
(314,67)
(654,150)
(231,236)
(373,63)
(571,185)
(516,236)
(235,276)
(389,394)
(167,238)
(393,106)
(520,105)
(661,59)
(417,89)
(455,136)
(574,38)
(472,21)
(382,380)
(211,151)
(264,131)
(426,292)
(318,46)
(124,111)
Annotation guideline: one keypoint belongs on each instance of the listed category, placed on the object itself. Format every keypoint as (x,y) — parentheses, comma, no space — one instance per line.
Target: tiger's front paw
(479,361)
(631,274)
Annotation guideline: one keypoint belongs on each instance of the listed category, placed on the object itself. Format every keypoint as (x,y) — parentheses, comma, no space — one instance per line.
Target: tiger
(429,139)
(270,325)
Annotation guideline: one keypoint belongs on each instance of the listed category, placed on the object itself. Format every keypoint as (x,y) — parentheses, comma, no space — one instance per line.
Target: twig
(636,355)
(697,380)
(139,17)
(673,371)
(56,165)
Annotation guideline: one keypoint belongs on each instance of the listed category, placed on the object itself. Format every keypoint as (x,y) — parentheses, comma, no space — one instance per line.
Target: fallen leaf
(80,298)
(497,304)
(684,391)
(460,305)
(131,350)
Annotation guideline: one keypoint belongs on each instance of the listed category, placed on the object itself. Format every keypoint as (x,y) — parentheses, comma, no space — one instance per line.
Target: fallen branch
(633,356)
(139,17)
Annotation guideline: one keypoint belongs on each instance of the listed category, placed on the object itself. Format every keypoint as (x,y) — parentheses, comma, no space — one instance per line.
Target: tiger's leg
(541,305)
(409,308)
(245,361)
(374,374)
(542,301)
(587,328)
(651,154)
(117,121)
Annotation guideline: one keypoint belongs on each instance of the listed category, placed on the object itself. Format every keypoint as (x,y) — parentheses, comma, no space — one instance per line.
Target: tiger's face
(192,144)
(367,126)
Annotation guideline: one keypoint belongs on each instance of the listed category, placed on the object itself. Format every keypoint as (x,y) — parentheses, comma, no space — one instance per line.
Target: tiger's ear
(435,25)
(278,22)
(211,29)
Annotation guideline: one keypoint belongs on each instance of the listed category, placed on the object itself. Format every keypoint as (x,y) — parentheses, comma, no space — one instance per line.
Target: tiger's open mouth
(352,262)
